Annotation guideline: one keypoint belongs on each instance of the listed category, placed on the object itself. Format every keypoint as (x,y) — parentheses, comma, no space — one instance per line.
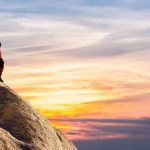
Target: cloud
(130,106)
(127,107)
(55,22)
(105,129)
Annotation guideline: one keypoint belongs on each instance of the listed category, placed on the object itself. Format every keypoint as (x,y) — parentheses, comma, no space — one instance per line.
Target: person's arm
(0,50)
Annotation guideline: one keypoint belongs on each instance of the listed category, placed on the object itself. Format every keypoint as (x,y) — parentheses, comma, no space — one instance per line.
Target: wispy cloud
(101,129)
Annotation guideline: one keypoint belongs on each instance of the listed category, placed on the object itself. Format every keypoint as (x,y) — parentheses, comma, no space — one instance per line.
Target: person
(1,64)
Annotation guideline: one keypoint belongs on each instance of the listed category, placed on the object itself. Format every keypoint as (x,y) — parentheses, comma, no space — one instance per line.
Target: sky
(84,64)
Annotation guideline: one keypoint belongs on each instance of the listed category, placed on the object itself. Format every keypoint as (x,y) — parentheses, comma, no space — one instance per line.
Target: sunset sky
(84,64)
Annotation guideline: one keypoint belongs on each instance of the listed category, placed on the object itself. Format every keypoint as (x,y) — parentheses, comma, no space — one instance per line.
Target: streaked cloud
(94,129)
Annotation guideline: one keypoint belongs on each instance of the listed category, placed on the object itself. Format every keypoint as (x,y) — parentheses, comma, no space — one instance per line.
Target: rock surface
(23,128)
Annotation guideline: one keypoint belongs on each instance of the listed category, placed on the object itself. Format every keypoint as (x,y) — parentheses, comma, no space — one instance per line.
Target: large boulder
(23,128)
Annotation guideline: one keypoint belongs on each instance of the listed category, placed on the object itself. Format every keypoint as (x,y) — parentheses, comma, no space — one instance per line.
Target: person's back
(1,64)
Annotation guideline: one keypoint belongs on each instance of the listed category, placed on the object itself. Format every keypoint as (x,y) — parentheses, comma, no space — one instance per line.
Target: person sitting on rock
(1,64)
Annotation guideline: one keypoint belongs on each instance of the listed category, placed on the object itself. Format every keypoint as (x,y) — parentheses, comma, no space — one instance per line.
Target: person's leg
(1,68)
(1,71)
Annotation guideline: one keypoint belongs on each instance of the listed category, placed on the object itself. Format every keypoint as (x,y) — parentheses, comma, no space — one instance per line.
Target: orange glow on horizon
(96,88)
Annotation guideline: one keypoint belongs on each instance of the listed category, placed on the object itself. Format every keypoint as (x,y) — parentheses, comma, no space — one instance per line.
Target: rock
(23,128)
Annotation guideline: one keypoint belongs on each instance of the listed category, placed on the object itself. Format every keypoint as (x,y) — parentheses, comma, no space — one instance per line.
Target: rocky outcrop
(23,128)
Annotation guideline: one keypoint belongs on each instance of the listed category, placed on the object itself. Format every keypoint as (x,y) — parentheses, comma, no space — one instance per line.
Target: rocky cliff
(23,128)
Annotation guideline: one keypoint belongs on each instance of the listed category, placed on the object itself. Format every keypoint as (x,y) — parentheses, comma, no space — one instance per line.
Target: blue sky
(115,19)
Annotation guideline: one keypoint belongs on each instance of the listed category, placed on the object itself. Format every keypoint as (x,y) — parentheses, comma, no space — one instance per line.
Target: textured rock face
(23,128)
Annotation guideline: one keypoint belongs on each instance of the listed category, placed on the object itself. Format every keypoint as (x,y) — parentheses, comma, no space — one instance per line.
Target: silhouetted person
(1,64)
